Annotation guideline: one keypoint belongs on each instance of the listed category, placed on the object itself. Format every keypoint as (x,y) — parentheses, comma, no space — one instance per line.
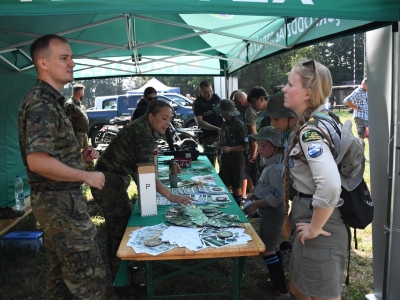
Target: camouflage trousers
(115,203)
(76,268)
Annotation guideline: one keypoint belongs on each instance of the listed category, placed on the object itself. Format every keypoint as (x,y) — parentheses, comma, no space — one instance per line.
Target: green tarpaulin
(147,37)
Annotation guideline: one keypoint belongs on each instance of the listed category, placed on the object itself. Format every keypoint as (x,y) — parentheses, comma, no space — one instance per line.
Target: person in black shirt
(207,120)
(149,95)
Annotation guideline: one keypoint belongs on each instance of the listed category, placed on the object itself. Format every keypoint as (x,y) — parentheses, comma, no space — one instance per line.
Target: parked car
(184,111)
(108,107)
(178,98)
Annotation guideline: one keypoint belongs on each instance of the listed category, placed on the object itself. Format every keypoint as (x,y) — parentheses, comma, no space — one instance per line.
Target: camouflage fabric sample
(76,111)
(76,267)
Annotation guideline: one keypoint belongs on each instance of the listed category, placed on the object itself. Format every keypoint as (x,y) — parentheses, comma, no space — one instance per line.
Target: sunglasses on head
(310,63)
(152,98)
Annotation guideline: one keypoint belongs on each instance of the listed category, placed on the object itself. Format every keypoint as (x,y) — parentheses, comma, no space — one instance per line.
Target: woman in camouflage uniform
(133,144)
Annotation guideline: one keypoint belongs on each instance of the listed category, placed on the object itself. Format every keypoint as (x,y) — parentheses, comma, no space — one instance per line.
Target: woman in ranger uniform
(320,242)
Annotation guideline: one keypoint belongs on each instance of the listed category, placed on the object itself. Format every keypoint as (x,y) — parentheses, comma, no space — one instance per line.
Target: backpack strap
(348,260)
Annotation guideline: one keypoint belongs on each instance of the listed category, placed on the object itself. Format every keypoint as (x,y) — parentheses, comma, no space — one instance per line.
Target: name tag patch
(311,136)
(315,150)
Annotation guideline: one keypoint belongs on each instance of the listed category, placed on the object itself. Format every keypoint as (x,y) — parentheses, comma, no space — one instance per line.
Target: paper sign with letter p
(147,190)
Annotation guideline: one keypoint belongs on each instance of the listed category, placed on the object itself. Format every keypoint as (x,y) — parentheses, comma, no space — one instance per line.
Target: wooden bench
(340,107)
(7,224)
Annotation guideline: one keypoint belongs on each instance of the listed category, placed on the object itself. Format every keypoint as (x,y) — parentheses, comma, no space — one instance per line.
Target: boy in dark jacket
(233,141)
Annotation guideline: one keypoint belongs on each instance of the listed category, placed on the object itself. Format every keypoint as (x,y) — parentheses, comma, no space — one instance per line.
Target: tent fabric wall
(383,101)
(13,87)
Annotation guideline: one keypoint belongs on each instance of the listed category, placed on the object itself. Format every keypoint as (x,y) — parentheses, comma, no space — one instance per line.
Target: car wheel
(95,138)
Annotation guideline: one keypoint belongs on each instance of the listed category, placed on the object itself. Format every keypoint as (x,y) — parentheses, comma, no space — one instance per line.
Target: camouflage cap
(276,108)
(267,133)
(227,108)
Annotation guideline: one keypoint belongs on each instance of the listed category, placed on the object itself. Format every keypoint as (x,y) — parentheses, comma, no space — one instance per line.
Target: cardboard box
(23,240)
(183,162)
(147,190)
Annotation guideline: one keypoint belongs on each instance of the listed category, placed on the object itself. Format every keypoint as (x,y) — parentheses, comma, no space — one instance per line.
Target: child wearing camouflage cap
(233,140)
(268,200)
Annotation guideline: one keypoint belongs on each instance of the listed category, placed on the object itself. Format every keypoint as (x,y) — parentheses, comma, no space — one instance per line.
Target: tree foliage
(337,55)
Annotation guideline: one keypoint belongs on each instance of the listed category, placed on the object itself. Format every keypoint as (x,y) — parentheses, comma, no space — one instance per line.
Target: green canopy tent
(142,37)
(178,37)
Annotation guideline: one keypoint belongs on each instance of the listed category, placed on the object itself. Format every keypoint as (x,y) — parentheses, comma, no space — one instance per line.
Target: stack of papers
(199,199)
(194,239)
(138,238)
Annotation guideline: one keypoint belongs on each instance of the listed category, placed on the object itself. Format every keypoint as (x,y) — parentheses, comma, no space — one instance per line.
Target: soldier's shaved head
(41,46)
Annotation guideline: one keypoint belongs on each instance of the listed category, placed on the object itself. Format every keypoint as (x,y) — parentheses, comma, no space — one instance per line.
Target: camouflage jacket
(76,111)
(43,126)
(133,144)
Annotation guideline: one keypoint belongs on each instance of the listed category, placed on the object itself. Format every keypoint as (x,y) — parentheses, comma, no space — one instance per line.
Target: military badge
(312,135)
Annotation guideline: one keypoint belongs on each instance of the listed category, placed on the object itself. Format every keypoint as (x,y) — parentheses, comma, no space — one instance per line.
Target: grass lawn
(25,272)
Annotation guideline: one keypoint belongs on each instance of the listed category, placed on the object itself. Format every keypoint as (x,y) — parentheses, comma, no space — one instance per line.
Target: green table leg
(149,276)
(238,268)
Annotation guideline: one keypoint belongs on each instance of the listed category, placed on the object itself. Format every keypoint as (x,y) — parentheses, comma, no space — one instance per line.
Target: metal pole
(354,59)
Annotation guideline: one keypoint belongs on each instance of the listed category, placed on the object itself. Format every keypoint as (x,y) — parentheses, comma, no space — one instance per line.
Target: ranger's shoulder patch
(312,135)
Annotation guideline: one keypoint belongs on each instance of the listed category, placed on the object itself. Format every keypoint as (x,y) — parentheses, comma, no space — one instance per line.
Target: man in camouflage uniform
(76,111)
(234,142)
(133,144)
(55,169)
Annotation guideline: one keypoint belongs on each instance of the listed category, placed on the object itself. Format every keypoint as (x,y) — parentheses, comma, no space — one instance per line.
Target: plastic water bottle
(19,194)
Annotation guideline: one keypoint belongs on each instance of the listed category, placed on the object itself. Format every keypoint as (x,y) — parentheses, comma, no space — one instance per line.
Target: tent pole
(392,164)
(226,81)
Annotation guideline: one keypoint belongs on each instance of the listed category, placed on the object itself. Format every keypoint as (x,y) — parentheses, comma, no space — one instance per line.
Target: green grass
(25,272)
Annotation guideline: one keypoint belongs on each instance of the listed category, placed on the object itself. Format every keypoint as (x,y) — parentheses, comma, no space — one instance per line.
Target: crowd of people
(269,153)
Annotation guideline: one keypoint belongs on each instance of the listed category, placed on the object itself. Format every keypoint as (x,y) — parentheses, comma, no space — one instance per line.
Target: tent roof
(150,37)
(158,85)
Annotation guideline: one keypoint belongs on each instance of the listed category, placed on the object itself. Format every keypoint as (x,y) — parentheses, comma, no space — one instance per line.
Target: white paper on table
(147,194)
